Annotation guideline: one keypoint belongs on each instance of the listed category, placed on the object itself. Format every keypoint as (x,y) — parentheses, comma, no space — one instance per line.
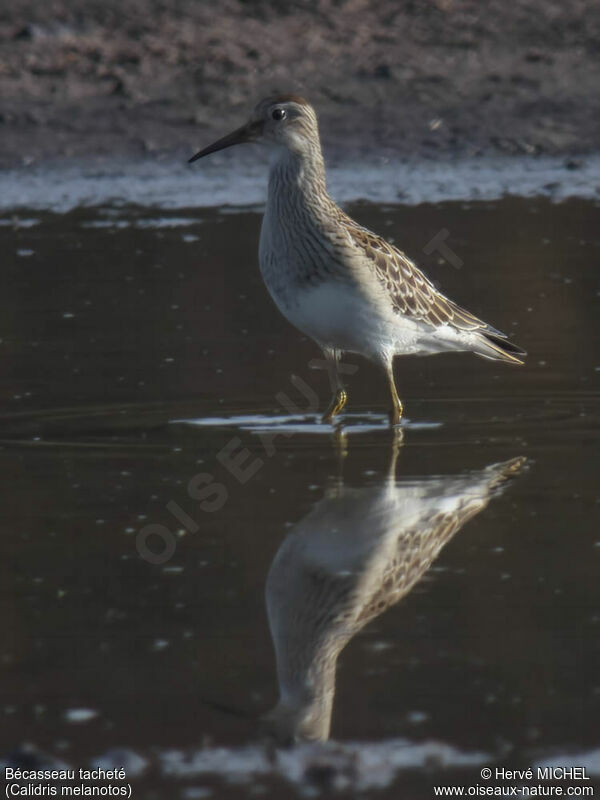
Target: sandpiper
(356,554)
(339,283)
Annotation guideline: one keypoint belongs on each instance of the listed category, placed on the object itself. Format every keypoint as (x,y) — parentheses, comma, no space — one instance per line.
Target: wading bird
(337,282)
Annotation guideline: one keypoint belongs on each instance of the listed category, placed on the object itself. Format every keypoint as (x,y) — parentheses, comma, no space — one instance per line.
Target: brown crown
(289,98)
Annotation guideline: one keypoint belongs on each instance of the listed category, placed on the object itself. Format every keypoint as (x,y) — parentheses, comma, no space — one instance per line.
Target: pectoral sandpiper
(339,283)
(356,554)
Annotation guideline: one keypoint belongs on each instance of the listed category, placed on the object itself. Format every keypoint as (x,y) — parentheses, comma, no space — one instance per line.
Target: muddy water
(437,593)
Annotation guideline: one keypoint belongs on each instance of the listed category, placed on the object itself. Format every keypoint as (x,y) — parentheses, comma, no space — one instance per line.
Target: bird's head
(285,121)
(286,724)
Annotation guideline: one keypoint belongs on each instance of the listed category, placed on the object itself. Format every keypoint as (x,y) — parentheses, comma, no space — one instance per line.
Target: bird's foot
(396,415)
(338,402)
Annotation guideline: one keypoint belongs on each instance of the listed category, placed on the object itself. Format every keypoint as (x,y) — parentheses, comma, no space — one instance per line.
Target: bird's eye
(278,114)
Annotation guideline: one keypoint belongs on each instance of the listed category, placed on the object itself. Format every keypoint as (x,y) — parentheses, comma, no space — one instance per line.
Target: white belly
(337,316)
(348,314)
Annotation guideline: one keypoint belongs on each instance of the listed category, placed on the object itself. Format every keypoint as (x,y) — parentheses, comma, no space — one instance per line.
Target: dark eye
(278,114)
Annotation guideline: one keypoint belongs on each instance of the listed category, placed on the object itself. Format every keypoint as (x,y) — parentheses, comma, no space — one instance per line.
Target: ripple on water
(303,423)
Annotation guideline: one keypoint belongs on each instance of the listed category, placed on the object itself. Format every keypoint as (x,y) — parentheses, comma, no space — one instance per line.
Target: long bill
(247,133)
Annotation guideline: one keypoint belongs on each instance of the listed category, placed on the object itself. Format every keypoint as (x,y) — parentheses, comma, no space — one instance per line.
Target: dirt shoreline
(426,79)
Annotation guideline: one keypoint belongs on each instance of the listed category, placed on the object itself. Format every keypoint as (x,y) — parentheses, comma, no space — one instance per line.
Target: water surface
(146,381)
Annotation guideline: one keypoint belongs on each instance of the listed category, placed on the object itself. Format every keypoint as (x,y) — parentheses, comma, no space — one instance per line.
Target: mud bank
(430,78)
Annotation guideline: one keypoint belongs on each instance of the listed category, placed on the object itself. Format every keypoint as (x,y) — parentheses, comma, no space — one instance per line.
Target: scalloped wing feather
(411,292)
(418,548)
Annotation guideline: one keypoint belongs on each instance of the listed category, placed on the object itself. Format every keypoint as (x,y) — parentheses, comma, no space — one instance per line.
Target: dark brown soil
(101,77)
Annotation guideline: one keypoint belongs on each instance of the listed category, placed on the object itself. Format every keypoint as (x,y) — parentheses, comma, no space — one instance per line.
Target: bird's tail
(498,348)
(502,472)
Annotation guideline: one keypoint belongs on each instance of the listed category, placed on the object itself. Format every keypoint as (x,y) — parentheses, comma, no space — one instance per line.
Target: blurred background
(426,77)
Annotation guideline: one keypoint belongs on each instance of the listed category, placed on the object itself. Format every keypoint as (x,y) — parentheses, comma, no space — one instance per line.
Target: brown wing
(411,292)
(418,549)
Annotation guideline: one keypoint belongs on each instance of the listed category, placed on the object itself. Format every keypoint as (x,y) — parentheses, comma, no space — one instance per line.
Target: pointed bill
(247,133)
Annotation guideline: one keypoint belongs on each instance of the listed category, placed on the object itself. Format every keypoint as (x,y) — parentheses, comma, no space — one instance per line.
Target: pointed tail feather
(498,348)
(505,470)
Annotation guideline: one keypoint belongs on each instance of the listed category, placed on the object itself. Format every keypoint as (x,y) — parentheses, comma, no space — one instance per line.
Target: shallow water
(167,183)
(147,381)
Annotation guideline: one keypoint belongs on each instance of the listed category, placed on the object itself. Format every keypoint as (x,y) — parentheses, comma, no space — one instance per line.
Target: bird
(340,283)
(358,552)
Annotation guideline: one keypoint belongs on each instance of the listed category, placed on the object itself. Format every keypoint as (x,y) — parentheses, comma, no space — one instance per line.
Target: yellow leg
(340,396)
(338,401)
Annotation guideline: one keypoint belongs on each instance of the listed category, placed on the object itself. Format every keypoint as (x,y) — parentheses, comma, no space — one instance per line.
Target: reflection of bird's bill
(358,552)
(226,708)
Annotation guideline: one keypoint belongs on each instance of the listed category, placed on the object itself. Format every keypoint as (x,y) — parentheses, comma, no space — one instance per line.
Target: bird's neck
(307,686)
(298,179)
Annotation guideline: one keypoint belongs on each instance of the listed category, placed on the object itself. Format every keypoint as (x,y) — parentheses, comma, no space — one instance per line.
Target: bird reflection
(358,552)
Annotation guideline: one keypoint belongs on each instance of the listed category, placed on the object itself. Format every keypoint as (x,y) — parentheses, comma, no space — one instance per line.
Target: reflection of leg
(340,446)
(396,412)
(340,397)
(397,442)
